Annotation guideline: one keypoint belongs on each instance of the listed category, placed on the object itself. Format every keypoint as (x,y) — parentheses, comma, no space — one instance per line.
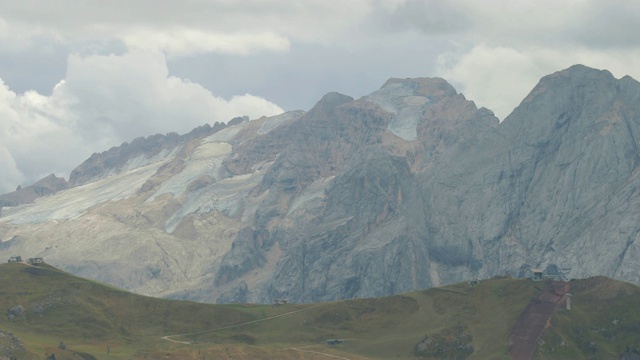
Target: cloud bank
(125,65)
(103,101)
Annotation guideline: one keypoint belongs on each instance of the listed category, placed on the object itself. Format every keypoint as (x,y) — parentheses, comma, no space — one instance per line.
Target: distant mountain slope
(140,152)
(46,186)
(409,187)
(554,187)
(45,309)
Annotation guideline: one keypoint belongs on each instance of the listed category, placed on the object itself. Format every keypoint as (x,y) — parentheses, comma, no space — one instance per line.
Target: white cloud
(190,27)
(134,95)
(500,77)
(18,37)
(10,173)
(432,17)
(185,41)
(496,78)
(33,142)
(103,101)
(545,23)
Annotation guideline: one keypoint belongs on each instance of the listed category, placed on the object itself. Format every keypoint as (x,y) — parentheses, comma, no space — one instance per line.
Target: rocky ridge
(409,187)
(11,347)
(46,186)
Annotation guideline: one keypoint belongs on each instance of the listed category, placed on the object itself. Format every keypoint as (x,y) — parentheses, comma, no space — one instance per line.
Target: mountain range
(409,187)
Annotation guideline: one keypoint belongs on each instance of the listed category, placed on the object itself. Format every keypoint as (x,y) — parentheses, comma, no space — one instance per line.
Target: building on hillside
(551,273)
(334,341)
(15,259)
(280,301)
(537,274)
(36,260)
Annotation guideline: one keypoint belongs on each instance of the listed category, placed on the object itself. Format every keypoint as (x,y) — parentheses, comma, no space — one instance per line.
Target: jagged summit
(582,71)
(332,100)
(408,100)
(421,86)
(583,85)
(582,75)
(141,151)
(45,186)
(577,96)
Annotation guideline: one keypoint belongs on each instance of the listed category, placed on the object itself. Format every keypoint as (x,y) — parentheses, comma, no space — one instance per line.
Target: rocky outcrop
(10,347)
(322,140)
(364,243)
(140,152)
(46,186)
(409,187)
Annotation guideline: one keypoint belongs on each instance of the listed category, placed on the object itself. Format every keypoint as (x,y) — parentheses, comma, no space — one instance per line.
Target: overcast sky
(80,76)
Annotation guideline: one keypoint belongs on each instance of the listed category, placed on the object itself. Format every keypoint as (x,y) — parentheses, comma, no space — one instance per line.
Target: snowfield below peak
(74,202)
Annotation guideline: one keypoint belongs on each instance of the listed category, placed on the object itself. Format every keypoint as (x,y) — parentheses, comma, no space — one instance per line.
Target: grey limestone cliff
(553,186)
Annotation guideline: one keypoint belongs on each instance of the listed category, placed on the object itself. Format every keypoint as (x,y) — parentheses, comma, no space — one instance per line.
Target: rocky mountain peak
(576,96)
(582,71)
(327,105)
(43,187)
(582,85)
(408,100)
(434,87)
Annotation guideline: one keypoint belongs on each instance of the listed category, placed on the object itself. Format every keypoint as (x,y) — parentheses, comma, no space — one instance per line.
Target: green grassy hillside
(604,321)
(43,307)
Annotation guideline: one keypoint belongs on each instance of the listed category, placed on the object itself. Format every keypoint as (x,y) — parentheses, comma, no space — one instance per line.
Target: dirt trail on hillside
(536,318)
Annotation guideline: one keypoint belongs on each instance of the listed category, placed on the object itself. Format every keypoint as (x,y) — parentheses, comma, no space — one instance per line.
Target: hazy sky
(80,76)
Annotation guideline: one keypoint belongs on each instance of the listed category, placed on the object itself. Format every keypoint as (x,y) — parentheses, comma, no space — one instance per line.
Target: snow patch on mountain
(275,121)
(227,196)
(311,198)
(143,160)
(206,160)
(74,202)
(399,99)
(409,100)
(226,135)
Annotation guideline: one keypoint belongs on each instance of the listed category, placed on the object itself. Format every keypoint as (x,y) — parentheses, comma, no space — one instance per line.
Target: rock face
(140,152)
(10,347)
(409,187)
(555,186)
(46,186)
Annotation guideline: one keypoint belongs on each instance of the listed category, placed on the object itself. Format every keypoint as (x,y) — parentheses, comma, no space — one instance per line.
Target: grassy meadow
(44,306)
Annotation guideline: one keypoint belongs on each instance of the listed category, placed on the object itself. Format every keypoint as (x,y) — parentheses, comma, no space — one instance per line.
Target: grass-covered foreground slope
(42,307)
(603,323)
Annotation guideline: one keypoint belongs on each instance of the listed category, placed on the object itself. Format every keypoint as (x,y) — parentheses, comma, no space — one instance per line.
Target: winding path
(319,353)
(168,337)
